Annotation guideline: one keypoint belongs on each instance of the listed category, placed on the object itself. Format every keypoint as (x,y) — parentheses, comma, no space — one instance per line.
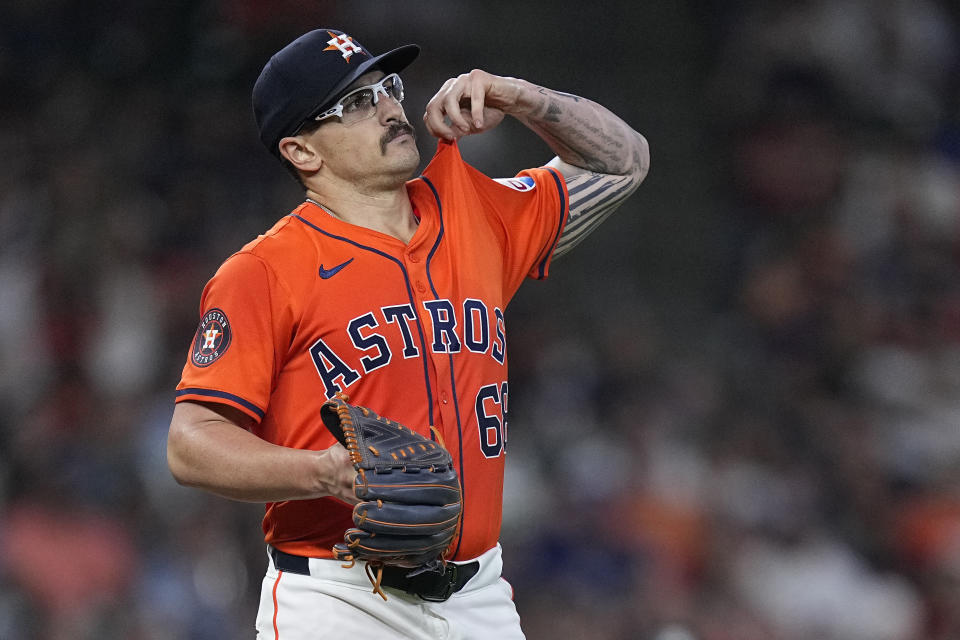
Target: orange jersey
(414,331)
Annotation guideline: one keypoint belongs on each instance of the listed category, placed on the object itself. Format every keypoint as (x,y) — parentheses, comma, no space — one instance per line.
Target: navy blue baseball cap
(309,74)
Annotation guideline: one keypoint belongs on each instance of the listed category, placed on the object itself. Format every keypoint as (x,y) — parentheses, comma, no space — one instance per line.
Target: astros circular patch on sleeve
(213,338)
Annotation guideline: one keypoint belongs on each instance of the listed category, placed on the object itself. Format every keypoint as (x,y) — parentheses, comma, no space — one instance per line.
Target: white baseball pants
(335,602)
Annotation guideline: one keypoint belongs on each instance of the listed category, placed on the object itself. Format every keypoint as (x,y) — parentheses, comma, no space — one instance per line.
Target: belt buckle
(448,587)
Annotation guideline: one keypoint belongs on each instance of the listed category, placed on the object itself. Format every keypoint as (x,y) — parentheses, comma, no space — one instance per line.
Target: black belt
(429,585)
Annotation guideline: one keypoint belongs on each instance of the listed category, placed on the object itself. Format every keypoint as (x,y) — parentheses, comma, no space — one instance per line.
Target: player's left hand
(471,103)
(410,501)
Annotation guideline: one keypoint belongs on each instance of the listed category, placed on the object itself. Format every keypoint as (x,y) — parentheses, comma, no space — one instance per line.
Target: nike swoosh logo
(329,273)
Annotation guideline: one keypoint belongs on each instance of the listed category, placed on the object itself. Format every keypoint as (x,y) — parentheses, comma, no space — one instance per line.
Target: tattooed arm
(601,157)
(583,134)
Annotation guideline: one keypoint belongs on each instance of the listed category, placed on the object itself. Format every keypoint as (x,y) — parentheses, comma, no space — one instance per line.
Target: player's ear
(300,153)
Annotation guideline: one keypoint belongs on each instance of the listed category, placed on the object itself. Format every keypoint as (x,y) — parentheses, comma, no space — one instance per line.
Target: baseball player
(391,289)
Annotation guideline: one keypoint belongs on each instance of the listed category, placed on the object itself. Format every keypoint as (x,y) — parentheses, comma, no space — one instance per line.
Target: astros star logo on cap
(344,44)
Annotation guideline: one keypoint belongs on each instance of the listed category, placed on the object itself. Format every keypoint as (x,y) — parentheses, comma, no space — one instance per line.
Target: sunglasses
(361,103)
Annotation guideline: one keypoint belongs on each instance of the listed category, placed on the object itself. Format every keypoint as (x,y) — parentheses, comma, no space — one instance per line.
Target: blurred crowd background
(735,408)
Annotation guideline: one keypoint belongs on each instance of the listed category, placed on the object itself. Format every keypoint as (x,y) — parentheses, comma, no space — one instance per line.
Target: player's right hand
(338,474)
(470,103)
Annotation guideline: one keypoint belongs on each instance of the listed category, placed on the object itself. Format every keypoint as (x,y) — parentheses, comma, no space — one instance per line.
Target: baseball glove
(411,499)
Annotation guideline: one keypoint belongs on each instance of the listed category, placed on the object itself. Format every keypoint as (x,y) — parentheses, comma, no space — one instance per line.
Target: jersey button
(413,257)
(422,288)
(443,397)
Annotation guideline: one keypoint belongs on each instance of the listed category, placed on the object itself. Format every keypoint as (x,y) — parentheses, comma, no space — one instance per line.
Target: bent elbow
(177,468)
(641,159)
(179,472)
(176,460)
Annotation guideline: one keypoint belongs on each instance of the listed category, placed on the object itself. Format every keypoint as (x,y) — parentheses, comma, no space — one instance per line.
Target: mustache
(395,131)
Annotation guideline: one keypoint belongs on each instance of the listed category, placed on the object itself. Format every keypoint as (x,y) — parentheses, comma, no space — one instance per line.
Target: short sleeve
(531,210)
(235,354)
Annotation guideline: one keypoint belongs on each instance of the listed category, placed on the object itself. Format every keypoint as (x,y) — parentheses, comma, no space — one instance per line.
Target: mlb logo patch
(523,183)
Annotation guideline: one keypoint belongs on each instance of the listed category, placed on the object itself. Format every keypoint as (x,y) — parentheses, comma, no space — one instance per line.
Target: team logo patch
(213,338)
(523,183)
(344,44)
